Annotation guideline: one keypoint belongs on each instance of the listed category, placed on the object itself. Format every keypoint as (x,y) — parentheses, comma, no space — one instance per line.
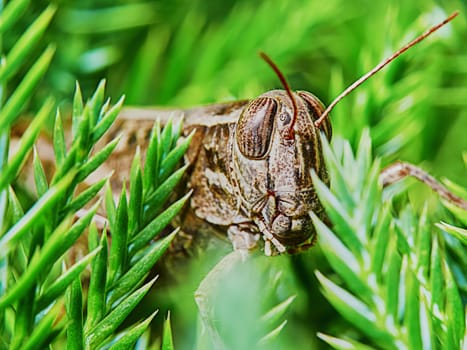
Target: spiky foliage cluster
(36,270)
(36,242)
(191,52)
(397,286)
(118,272)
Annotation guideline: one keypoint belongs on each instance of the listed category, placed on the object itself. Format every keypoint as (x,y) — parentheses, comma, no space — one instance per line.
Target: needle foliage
(389,273)
(394,282)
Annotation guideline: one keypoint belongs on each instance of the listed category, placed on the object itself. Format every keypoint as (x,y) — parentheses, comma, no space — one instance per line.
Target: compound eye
(316,108)
(255,126)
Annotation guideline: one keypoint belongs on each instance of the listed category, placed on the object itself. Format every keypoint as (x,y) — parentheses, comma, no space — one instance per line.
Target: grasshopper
(251,161)
(250,171)
(250,168)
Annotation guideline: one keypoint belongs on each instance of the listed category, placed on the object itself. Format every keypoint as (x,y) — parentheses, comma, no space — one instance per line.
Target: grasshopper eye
(255,126)
(316,108)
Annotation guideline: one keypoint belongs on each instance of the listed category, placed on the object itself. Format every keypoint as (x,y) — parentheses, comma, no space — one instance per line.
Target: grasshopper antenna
(287,88)
(380,66)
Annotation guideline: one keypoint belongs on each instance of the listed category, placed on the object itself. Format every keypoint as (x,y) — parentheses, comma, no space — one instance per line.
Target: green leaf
(16,209)
(458,212)
(4,150)
(40,179)
(84,197)
(17,100)
(380,241)
(46,202)
(364,160)
(353,310)
(166,139)
(149,232)
(104,108)
(404,224)
(111,322)
(78,110)
(44,330)
(69,163)
(26,43)
(97,160)
(97,286)
(153,158)
(11,13)
(423,245)
(370,193)
(135,212)
(343,344)
(459,233)
(436,288)
(57,288)
(412,316)
(177,131)
(74,310)
(134,276)
(96,102)
(455,311)
(338,215)
(132,335)
(337,179)
(110,205)
(428,338)
(83,21)
(26,143)
(276,314)
(167,340)
(341,259)
(168,163)
(157,199)
(457,189)
(109,117)
(57,244)
(268,339)
(22,327)
(59,140)
(118,247)
(83,137)
(393,280)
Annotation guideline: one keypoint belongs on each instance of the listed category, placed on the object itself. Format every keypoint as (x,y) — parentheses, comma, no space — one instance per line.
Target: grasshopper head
(276,146)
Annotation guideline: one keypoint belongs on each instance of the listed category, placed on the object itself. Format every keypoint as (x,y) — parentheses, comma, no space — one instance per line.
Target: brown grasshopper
(251,163)
(250,168)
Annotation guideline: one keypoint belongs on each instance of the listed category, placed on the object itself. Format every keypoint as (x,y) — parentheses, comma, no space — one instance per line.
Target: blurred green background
(184,53)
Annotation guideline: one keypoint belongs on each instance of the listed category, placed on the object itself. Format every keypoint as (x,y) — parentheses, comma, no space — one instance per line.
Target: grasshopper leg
(243,237)
(399,170)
